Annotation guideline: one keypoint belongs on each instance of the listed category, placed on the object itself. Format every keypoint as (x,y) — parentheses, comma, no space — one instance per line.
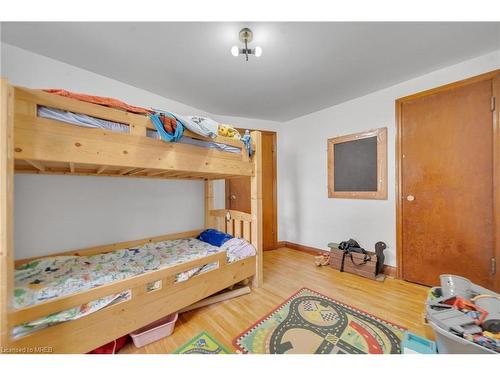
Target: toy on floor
(470,309)
(484,340)
(322,260)
(491,304)
(413,344)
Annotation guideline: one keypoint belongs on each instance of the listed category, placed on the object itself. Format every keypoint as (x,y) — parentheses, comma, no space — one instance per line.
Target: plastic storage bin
(154,331)
(449,343)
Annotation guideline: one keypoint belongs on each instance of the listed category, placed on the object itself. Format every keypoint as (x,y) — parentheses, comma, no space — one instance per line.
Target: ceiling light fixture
(246,36)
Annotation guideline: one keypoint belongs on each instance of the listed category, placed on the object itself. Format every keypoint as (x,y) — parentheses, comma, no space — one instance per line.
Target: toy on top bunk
(203,126)
(228,131)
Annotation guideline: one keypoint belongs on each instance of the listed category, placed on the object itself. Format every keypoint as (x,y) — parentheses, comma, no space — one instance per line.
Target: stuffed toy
(321,260)
(228,131)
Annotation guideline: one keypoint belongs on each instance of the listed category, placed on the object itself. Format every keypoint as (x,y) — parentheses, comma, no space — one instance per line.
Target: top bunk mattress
(86,121)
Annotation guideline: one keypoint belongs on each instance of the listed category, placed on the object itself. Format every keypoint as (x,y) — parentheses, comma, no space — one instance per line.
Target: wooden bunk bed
(31,144)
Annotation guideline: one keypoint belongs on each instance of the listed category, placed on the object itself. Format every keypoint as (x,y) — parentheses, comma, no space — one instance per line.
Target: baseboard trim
(387,270)
(305,249)
(390,271)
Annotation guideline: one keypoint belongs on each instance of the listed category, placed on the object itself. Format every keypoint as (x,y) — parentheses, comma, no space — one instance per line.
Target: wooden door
(446,184)
(238,192)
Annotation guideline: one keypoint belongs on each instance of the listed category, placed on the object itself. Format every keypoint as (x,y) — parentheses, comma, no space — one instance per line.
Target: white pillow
(202,125)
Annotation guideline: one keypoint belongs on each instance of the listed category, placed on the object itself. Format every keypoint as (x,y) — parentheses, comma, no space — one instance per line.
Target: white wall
(28,69)
(56,213)
(307,216)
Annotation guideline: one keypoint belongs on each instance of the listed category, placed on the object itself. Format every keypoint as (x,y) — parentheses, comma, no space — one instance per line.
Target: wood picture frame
(381,192)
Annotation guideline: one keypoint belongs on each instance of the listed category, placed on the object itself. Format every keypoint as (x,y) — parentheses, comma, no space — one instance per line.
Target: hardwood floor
(285,272)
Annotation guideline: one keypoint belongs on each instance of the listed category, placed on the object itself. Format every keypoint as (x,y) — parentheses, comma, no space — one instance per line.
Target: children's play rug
(309,322)
(202,344)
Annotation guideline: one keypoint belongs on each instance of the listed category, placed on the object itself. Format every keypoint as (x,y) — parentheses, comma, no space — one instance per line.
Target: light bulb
(258,51)
(235,51)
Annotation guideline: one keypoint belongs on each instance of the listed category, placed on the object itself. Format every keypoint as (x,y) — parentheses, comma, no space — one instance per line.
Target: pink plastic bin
(154,331)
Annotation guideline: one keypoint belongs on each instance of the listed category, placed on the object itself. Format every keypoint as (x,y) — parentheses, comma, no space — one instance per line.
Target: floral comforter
(46,278)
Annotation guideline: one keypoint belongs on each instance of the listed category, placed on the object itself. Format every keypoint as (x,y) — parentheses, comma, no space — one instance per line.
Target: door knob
(410,198)
(233,197)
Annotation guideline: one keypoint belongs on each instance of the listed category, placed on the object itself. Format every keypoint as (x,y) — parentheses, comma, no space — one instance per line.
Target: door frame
(275,183)
(495,77)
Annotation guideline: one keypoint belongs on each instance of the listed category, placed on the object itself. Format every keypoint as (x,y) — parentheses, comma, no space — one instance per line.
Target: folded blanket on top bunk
(101,100)
(47,278)
(168,125)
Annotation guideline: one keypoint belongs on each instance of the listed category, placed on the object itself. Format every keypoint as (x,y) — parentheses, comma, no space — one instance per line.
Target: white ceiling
(305,67)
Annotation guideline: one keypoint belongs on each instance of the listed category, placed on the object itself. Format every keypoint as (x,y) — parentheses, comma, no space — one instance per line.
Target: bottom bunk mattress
(52,277)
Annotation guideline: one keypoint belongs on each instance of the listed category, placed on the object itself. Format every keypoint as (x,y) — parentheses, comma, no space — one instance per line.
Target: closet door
(446,184)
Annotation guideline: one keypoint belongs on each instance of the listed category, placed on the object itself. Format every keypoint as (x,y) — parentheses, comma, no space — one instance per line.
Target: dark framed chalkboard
(357,165)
